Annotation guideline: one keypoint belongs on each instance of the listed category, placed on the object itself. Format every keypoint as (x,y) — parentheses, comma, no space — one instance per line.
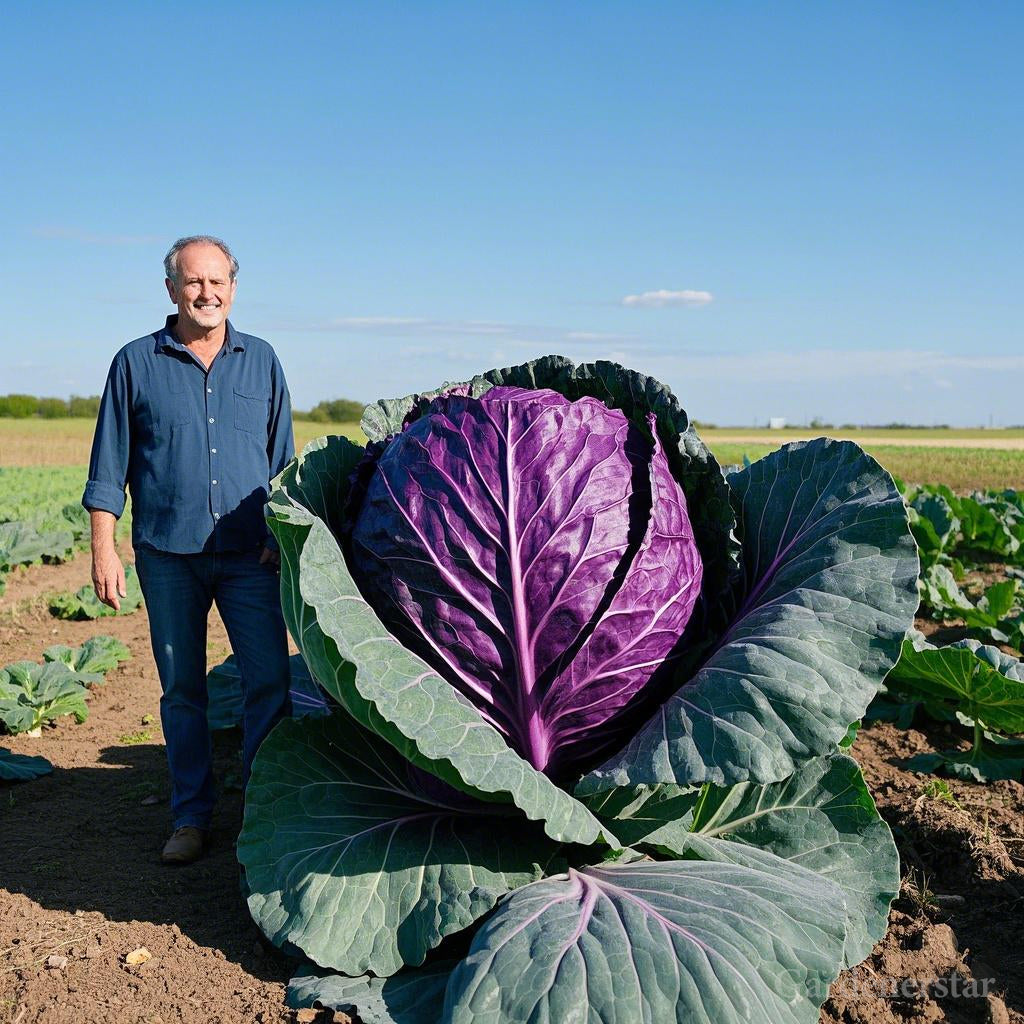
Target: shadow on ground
(83,839)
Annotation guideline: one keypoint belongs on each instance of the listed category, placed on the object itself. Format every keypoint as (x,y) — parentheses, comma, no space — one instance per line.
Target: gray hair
(171,259)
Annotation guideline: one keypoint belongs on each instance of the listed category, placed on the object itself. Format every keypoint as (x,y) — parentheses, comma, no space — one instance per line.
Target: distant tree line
(337,410)
(23,407)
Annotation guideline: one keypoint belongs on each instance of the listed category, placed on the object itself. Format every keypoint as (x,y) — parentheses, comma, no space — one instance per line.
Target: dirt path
(80,876)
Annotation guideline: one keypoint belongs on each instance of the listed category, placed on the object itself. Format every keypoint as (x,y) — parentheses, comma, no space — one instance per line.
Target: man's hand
(107,570)
(270,555)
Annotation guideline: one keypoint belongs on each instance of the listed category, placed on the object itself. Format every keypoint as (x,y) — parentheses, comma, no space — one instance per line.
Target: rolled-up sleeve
(108,465)
(280,445)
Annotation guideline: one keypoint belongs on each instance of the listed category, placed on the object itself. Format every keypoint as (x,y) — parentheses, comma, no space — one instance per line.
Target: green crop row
(41,516)
(33,694)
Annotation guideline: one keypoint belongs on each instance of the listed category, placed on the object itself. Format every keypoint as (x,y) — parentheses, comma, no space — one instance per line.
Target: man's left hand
(271,556)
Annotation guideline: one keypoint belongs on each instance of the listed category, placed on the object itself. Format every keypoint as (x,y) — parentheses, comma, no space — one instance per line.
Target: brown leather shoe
(185,845)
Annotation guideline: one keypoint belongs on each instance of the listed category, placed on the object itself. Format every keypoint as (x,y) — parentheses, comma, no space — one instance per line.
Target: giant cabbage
(538,554)
(584,760)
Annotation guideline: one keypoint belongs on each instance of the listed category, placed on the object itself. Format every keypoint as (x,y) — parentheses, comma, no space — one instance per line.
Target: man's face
(204,290)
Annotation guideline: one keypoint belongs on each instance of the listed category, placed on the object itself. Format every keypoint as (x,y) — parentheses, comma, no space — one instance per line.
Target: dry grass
(67,442)
(981,437)
(962,469)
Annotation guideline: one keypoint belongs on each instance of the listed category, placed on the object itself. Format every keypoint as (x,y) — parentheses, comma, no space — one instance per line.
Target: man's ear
(171,290)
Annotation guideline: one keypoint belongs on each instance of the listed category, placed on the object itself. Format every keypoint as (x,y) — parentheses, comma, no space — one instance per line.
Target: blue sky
(829,193)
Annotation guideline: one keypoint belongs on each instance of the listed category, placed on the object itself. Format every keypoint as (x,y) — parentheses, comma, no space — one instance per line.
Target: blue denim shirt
(197,448)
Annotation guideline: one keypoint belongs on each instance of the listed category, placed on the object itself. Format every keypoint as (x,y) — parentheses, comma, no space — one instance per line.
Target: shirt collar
(165,337)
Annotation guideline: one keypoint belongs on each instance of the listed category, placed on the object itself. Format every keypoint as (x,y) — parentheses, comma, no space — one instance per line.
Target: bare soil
(953,950)
(80,876)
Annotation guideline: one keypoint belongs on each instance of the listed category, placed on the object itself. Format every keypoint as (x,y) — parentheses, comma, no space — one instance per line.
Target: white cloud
(663,297)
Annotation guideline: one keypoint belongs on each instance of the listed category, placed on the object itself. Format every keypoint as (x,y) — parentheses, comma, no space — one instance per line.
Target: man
(196,419)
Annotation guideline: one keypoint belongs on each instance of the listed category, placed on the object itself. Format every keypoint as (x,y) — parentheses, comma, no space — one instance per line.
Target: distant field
(305,432)
(963,469)
(985,438)
(1002,440)
(66,442)
(963,459)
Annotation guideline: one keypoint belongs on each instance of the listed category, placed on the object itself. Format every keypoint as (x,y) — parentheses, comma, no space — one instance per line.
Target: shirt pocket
(252,413)
(166,406)
(176,408)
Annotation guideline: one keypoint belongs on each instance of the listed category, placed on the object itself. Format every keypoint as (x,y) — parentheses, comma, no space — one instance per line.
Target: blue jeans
(179,590)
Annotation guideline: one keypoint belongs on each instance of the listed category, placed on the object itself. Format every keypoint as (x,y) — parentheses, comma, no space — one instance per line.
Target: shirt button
(214,481)
(209,391)
(211,419)
(216,515)
(213,450)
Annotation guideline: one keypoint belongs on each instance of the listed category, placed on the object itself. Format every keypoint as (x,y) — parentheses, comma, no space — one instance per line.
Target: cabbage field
(586,727)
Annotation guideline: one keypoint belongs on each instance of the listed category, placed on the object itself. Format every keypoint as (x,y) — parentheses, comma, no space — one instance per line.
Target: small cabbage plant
(585,763)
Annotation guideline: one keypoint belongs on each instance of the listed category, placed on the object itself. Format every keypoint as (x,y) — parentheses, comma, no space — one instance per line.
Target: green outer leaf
(355,865)
(822,818)
(22,544)
(61,652)
(413,996)
(994,758)
(18,716)
(892,707)
(636,394)
(97,656)
(831,591)
(686,941)
(31,694)
(225,704)
(991,616)
(983,529)
(999,599)
(635,812)
(101,654)
(981,681)
(22,767)
(76,518)
(383,686)
(937,523)
(851,735)
(940,592)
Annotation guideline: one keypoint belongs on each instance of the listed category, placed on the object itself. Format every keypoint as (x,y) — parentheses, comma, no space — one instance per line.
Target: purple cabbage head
(536,552)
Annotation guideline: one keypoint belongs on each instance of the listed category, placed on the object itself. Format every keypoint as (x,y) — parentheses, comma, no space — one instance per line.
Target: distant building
(776,422)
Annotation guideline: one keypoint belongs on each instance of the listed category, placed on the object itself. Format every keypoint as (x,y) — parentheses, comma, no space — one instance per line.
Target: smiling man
(195,420)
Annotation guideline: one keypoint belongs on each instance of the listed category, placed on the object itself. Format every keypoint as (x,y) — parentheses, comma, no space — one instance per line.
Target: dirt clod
(997,1012)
